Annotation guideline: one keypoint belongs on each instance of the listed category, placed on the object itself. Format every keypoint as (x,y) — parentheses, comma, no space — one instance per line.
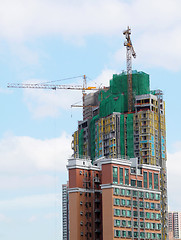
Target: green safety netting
(92,136)
(116,98)
(130,136)
(122,145)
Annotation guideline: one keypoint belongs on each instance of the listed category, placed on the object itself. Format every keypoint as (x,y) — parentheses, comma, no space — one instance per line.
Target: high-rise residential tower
(109,130)
(174,220)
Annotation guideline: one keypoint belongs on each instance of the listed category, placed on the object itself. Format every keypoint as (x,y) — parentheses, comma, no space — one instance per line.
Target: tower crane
(129,53)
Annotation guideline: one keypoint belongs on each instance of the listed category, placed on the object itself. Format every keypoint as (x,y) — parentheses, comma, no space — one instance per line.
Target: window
(116,191)
(147,215)
(122,192)
(152,216)
(158,235)
(145,180)
(152,205)
(121,175)
(142,225)
(157,196)
(133,182)
(147,205)
(117,223)
(128,203)
(123,202)
(141,194)
(141,204)
(116,201)
(155,181)
(135,214)
(158,216)
(148,235)
(135,224)
(150,180)
(152,225)
(146,195)
(123,212)
(123,223)
(117,233)
(153,235)
(116,212)
(135,193)
(81,234)
(142,235)
(152,195)
(129,223)
(139,183)
(128,213)
(141,214)
(129,234)
(115,175)
(123,233)
(128,192)
(126,176)
(134,203)
(147,225)
(135,234)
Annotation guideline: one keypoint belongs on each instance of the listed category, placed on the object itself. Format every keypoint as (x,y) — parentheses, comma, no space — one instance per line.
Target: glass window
(116,201)
(128,213)
(159,226)
(139,183)
(129,234)
(128,203)
(123,212)
(135,224)
(152,216)
(141,214)
(128,192)
(157,196)
(133,182)
(142,235)
(135,234)
(123,202)
(126,176)
(153,235)
(147,205)
(117,223)
(155,181)
(158,235)
(123,223)
(142,225)
(148,235)
(123,233)
(121,175)
(152,195)
(158,216)
(150,180)
(135,214)
(141,194)
(115,175)
(117,212)
(145,180)
(141,204)
(147,225)
(146,195)
(122,192)
(117,233)
(116,191)
(129,223)
(147,215)
(152,205)
(134,203)
(135,193)
(152,225)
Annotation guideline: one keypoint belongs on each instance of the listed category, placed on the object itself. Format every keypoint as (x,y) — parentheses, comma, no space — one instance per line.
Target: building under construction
(123,122)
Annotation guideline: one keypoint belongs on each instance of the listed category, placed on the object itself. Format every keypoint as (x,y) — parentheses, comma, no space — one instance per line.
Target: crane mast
(129,53)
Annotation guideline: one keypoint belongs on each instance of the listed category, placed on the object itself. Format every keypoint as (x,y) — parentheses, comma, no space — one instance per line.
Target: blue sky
(44,41)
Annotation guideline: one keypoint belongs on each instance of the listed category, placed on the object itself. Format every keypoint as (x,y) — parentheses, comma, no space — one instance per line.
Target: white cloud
(156,29)
(33,201)
(174,180)
(22,154)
